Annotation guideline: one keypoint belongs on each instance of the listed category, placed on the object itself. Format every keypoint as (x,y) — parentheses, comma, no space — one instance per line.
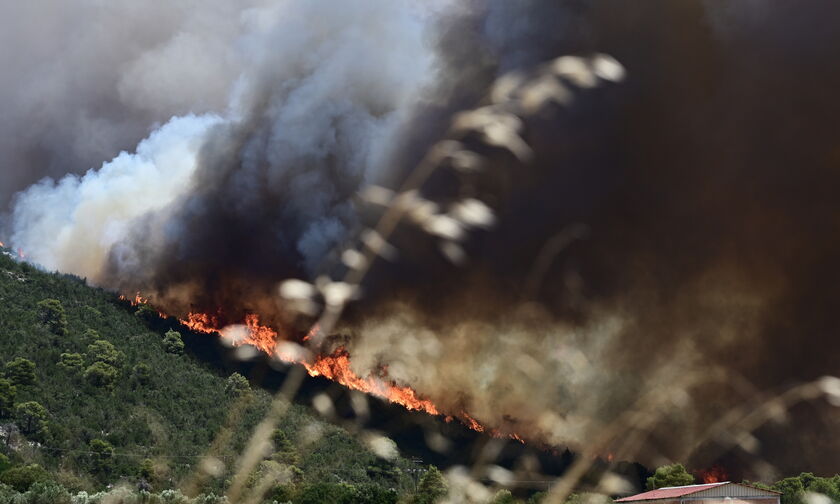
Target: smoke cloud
(674,234)
(265,185)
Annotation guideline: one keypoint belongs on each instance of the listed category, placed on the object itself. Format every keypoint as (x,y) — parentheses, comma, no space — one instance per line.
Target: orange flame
(262,337)
(471,422)
(715,474)
(335,366)
(138,300)
(201,322)
(2,244)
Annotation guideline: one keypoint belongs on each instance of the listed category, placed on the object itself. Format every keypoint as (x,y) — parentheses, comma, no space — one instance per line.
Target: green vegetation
(52,314)
(172,342)
(21,372)
(236,386)
(432,487)
(669,475)
(794,489)
(537,498)
(95,393)
(22,477)
(503,497)
(72,362)
(31,419)
(7,397)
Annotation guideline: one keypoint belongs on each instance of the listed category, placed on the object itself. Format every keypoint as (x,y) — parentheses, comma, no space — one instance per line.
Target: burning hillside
(335,366)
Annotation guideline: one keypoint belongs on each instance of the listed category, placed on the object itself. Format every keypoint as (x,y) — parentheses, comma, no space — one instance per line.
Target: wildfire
(716,474)
(262,337)
(471,422)
(474,424)
(335,366)
(138,300)
(21,254)
(200,322)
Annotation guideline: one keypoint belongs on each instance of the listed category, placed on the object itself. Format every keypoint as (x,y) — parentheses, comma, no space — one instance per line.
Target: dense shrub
(7,397)
(73,362)
(172,343)
(52,315)
(100,374)
(21,371)
(31,417)
(22,477)
(237,385)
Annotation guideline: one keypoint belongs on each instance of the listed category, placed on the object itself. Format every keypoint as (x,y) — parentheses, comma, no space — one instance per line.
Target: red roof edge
(679,491)
(671,492)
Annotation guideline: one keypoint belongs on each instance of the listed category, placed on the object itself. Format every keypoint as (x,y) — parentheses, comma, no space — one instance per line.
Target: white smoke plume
(72,223)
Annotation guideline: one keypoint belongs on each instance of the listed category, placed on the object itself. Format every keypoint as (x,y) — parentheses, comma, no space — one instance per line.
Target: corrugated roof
(670,492)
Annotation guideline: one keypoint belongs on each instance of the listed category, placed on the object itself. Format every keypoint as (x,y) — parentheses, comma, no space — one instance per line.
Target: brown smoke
(696,213)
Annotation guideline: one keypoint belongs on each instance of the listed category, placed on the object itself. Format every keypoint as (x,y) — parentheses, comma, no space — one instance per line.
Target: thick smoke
(697,224)
(677,230)
(211,211)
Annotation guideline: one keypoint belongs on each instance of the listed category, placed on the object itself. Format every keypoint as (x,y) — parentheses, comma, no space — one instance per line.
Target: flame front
(200,322)
(335,366)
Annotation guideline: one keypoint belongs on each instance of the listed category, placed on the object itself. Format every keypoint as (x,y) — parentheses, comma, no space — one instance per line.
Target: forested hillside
(94,394)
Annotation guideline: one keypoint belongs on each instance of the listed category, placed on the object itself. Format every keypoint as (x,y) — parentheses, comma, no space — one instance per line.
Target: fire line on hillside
(334,366)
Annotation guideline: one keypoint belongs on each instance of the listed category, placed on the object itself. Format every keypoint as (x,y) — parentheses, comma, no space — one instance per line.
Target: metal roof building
(710,493)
